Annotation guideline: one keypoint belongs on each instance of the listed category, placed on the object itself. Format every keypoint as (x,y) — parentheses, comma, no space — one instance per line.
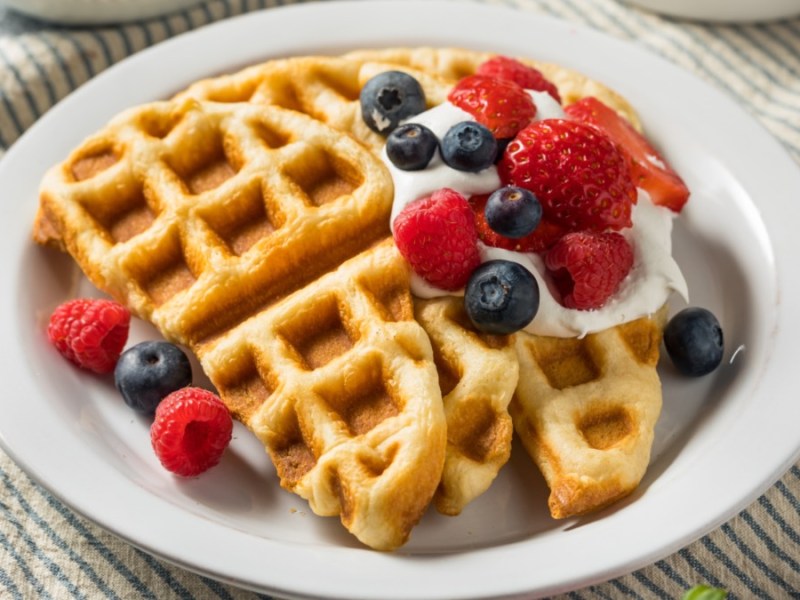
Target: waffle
(477,373)
(258,237)
(585,410)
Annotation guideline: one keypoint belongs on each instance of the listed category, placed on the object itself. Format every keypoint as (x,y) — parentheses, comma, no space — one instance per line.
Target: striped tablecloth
(46,551)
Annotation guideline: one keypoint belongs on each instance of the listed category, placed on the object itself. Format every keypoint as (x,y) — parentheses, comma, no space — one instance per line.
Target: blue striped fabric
(47,551)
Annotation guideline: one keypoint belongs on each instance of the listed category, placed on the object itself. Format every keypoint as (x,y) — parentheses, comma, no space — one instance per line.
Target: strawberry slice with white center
(649,170)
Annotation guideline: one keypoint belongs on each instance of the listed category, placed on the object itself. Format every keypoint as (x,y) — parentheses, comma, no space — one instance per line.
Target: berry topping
(576,172)
(513,212)
(510,69)
(587,267)
(150,371)
(649,170)
(469,146)
(544,236)
(390,97)
(436,235)
(693,339)
(410,147)
(191,430)
(502,106)
(501,297)
(90,332)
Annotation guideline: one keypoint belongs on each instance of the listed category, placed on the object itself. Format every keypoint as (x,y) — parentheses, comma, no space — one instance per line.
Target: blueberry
(410,147)
(513,212)
(469,146)
(149,371)
(501,297)
(693,338)
(389,98)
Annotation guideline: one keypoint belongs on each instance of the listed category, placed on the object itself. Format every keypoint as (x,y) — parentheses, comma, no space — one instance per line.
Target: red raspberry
(437,236)
(501,106)
(587,267)
(191,430)
(545,234)
(530,78)
(577,173)
(90,332)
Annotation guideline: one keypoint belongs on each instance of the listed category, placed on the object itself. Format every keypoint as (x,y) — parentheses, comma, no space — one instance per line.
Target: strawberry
(649,170)
(587,267)
(437,236)
(501,106)
(510,69)
(90,332)
(580,177)
(191,430)
(545,234)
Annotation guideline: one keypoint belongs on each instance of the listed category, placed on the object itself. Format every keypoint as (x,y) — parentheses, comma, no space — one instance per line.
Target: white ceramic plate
(721,442)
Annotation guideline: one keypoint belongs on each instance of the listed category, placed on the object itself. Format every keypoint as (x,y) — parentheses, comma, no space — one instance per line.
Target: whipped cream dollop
(653,277)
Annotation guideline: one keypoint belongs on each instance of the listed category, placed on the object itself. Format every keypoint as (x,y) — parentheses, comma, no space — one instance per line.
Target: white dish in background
(723,11)
(721,441)
(94,12)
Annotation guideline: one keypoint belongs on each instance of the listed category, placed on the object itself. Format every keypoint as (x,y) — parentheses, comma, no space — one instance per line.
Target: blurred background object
(86,12)
(723,11)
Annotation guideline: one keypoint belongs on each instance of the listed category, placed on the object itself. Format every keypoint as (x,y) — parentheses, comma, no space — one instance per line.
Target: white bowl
(723,10)
(91,12)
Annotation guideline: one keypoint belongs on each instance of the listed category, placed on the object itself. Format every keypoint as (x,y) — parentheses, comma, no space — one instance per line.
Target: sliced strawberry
(545,234)
(649,170)
(578,174)
(502,106)
(530,78)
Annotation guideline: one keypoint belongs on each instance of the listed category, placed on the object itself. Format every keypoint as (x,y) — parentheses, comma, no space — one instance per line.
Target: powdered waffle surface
(258,237)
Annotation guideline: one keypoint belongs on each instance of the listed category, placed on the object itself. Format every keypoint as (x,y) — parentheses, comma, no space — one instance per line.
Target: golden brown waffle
(477,373)
(327,88)
(585,409)
(259,238)
(477,376)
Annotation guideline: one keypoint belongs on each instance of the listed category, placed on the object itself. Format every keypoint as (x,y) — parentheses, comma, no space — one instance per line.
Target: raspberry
(530,78)
(90,332)
(191,430)
(587,267)
(501,106)
(545,234)
(578,174)
(437,236)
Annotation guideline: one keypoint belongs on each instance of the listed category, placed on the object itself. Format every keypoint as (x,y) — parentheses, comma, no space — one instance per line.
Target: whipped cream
(653,277)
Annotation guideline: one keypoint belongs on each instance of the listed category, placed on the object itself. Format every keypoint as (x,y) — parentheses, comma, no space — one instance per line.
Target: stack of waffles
(248,219)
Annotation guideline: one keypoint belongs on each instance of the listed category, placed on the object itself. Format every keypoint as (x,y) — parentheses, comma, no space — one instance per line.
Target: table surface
(48,551)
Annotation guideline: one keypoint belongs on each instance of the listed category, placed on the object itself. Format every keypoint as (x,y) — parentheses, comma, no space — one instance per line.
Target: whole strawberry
(526,76)
(90,332)
(588,267)
(437,236)
(501,106)
(578,174)
(191,430)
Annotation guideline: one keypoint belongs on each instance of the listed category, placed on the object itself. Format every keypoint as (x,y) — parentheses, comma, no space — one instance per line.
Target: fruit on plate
(149,371)
(191,430)
(90,333)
